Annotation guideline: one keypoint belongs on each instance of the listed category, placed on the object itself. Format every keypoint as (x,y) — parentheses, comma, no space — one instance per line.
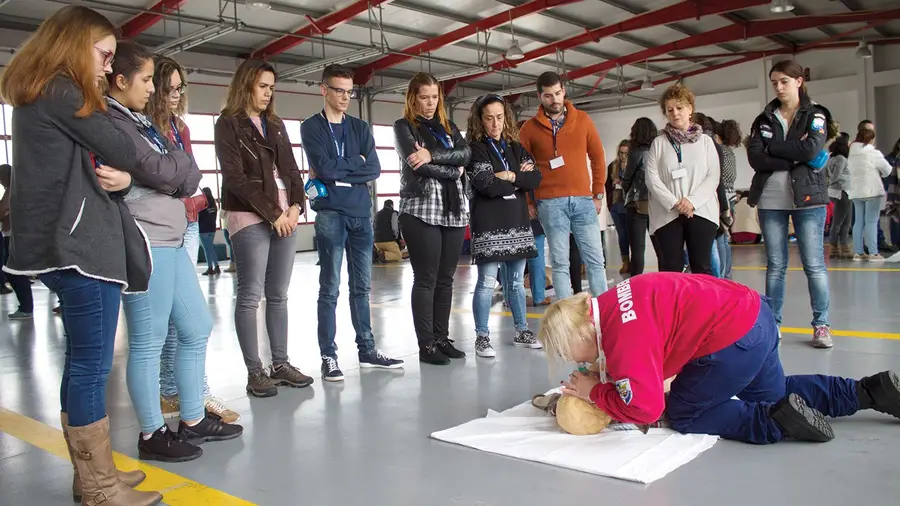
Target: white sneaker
(483,347)
(875,258)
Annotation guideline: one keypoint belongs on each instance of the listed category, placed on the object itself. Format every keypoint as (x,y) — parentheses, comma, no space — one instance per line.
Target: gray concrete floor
(365,441)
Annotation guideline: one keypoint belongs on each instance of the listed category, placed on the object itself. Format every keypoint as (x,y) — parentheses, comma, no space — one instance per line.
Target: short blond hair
(564,323)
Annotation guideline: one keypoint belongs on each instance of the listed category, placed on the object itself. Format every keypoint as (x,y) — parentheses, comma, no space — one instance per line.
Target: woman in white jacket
(867,167)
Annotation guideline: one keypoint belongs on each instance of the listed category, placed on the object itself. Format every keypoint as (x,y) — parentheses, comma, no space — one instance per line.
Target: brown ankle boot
(626,265)
(100,481)
(130,478)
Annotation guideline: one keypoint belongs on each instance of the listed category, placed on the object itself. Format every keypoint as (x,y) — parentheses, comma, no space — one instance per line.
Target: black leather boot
(880,392)
(799,421)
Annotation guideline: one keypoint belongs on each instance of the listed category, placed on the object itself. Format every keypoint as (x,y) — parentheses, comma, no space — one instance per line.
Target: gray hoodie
(60,216)
(838,174)
(162,176)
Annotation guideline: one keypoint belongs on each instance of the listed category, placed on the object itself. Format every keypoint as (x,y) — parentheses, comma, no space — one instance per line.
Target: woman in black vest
(501,172)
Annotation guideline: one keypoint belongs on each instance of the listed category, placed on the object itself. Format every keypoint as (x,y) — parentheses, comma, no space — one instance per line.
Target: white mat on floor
(622,451)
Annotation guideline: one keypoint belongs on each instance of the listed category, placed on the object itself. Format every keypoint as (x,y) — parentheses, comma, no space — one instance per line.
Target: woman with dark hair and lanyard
(502,173)
(637,196)
(434,211)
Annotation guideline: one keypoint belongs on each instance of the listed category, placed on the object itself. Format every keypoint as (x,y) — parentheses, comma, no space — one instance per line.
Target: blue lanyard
(443,137)
(178,139)
(676,147)
(340,147)
(556,126)
(501,151)
(151,133)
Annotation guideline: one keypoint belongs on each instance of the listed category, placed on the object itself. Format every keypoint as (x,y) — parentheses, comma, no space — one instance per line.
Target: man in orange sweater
(562,139)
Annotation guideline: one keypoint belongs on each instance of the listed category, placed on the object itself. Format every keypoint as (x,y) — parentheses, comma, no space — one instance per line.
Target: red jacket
(192,205)
(652,325)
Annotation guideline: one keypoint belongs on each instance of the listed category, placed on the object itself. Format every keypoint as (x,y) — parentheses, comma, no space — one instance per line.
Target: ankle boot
(130,478)
(99,478)
(626,265)
(799,421)
(880,392)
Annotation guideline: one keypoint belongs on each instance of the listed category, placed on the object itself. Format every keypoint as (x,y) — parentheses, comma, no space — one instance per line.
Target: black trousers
(637,239)
(433,253)
(574,265)
(697,234)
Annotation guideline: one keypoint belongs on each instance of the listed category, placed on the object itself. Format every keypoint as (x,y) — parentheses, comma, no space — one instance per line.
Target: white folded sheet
(622,451)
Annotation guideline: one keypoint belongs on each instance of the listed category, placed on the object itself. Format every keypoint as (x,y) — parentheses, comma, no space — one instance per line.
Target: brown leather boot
(626,265)
(97,472)
(130,478)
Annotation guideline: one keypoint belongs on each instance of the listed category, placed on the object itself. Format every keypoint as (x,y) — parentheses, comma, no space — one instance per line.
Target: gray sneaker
(483,347)
(526,339)
(21,315)
(260,385)
(822,337)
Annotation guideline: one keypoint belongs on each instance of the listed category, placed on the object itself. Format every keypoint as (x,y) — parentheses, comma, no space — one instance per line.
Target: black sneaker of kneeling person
(880,392)
(431,354)
(446,347)
(799,421)
(211,428)
(167,446)
(377,359)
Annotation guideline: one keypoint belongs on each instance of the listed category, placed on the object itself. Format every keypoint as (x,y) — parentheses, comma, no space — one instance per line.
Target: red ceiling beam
(736,32)
(364,73)
(140,23)
(324,24)
(701,71)
(683,10)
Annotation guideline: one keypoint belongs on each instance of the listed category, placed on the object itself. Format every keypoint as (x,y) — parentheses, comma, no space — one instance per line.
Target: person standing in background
(839,185)
(615,200)
(729,137)
(21,285)
(867,167)
(342,158)
(208,221)
(262,190)
(167,108)
(637,196)
(387,233)
(561,139)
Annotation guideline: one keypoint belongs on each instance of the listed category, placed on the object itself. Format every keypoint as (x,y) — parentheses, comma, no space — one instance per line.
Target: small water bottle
(315,190)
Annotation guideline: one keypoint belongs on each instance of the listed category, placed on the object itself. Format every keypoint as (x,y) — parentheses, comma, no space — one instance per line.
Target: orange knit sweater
(576,141)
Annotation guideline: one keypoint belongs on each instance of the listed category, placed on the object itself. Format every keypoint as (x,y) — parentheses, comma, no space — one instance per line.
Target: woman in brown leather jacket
(262,190)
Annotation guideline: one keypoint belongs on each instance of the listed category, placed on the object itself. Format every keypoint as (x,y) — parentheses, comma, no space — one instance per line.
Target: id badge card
(618,186)
(509,197)
(342,184)
(557,163)
(679,173)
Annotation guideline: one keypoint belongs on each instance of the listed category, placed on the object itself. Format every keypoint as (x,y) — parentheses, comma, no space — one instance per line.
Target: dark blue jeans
(336,233)
(90,314)
(207,241)
(620,220)
(700,401)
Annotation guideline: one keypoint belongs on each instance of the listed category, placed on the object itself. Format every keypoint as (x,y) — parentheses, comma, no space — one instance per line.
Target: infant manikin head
(579,417)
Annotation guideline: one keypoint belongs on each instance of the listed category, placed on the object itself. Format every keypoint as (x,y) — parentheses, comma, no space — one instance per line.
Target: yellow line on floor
(176,490)
(652,268)
(865,334)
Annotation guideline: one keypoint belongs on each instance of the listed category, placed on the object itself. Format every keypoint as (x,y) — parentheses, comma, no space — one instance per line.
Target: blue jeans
(575,215)
(809,227)
(715,261)
(513,280)
(620,220)
(536,273)
(174,294)
(700,401)
(207,240)
(724,249)
(167,386)
(90,314)
(334,234)
(867,213)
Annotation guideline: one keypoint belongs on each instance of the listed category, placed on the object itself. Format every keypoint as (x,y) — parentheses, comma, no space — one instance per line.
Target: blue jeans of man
(724,250)
(700,401)
(336,233)
(512,275)
(167,386)
(865,228)
(809,227)
(620,220)
(578,216)
(174,294)
(536,272)
(90,313)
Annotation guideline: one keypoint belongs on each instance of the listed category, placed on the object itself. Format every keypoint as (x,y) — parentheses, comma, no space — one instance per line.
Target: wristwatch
(598,196)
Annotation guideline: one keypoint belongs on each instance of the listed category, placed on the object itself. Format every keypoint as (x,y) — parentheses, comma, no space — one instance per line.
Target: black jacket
(633,183)
(445,163)
(767,153)
(498,211)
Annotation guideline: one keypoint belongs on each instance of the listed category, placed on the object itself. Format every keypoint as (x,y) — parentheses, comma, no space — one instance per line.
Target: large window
(6,135)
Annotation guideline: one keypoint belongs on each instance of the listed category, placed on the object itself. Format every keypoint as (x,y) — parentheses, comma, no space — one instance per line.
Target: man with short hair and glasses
(342,160)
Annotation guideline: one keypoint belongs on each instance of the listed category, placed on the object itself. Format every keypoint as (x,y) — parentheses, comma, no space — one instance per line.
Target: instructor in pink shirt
(720,339)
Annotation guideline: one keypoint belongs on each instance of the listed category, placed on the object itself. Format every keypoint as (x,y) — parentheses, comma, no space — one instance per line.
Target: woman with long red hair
(73,230)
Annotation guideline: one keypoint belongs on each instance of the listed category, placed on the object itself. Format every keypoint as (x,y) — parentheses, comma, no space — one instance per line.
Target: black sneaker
(799,421)
(880,392)
(260,385)
(211,428)
(430,354)
(330,369)
(446,347)
(526,339)
(166,446)
(377,359)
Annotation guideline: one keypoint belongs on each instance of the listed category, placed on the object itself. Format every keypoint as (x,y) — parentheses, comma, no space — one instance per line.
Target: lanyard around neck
(443,137)
(178,140)
(340,147)
(555,126)
(501,151)
(676,146)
